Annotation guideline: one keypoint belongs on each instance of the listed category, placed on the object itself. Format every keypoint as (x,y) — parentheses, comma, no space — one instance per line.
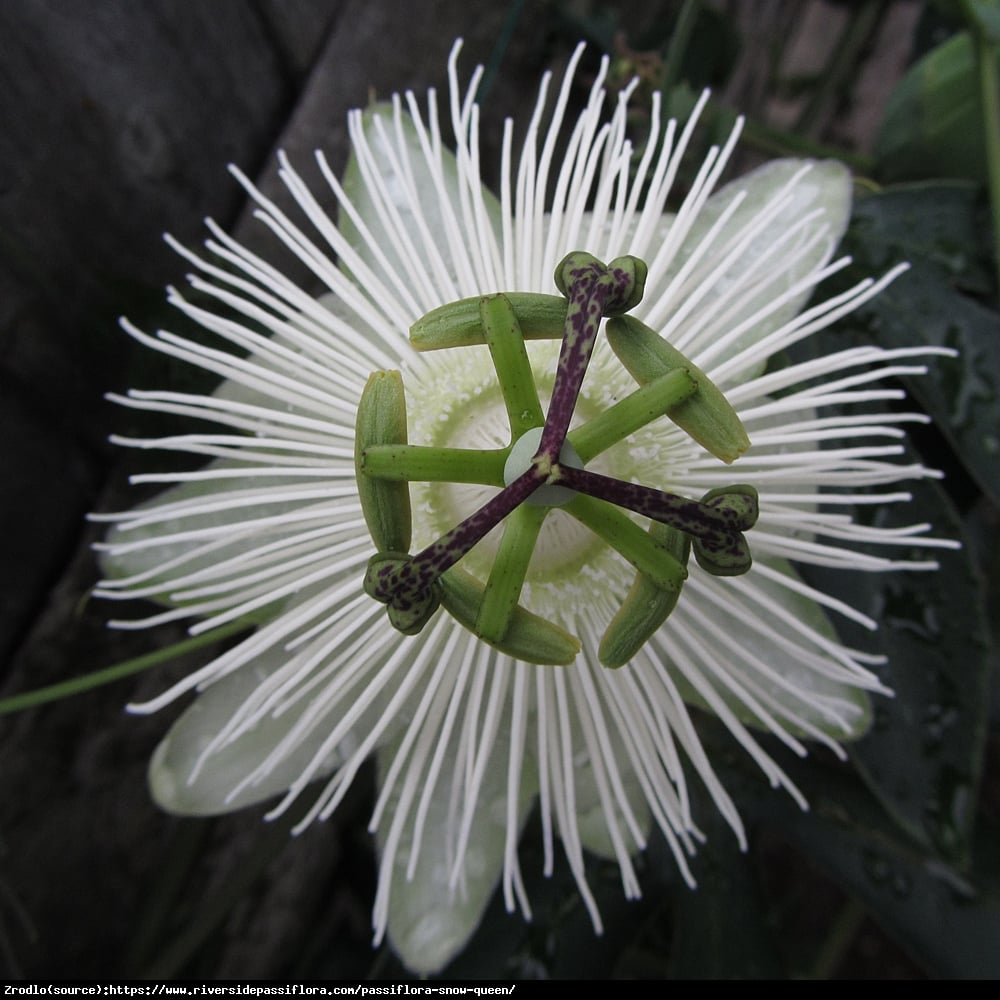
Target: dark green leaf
(985,17)
(722,930)
(933,121)
(948,921)
(934,227)
(923,756)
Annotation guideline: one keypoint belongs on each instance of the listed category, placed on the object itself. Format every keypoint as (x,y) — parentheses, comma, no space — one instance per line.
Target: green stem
(655,399)
(517,384)
(679,39)
(503,40)
(843,932)
(989,90)
(635,545)
(418,463)
(503,589)
(77,685)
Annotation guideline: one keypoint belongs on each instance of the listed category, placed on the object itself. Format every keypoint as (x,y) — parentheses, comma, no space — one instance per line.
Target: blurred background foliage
(894,872)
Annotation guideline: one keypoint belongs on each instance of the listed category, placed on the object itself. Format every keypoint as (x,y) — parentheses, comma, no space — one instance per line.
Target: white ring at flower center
(519,461)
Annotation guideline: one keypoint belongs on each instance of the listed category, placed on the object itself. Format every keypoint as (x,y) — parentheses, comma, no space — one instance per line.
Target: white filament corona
(271,529)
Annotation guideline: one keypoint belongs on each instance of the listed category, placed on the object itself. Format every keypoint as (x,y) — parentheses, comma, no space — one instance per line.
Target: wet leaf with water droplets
(923,755)
(934,226)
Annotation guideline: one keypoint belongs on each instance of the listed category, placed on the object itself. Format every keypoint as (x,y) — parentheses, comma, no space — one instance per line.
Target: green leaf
(923,755)
(985,18)
(948,920)
(932,125)
(934,226)
(722,929)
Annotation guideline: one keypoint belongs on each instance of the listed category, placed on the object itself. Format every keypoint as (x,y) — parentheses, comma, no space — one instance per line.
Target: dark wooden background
(117,119)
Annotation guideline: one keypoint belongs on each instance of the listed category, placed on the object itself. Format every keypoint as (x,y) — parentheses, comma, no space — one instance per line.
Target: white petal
(253,733)
(411,214)
(772,656)
(734,281)
(206,524)
(433,905)
(609,795)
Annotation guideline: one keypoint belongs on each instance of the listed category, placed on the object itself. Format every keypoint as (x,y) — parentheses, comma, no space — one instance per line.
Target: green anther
(707,416)
(655,399)
(409,608)
(381,420)
(503,588)
(459,324)
(732,557)
(421,463)
(510,359)
(647,555)
(528,637)
(539,316)
(646,606)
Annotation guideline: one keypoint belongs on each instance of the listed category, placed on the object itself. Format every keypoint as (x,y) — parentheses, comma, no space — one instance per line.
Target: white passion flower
(550,672)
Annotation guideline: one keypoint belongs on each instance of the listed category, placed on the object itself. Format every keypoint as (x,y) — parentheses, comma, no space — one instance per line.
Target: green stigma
(543,468)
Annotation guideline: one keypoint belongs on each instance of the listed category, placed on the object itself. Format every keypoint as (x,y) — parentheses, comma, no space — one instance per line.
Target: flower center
(455,403)
(519,462)
(540,467)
